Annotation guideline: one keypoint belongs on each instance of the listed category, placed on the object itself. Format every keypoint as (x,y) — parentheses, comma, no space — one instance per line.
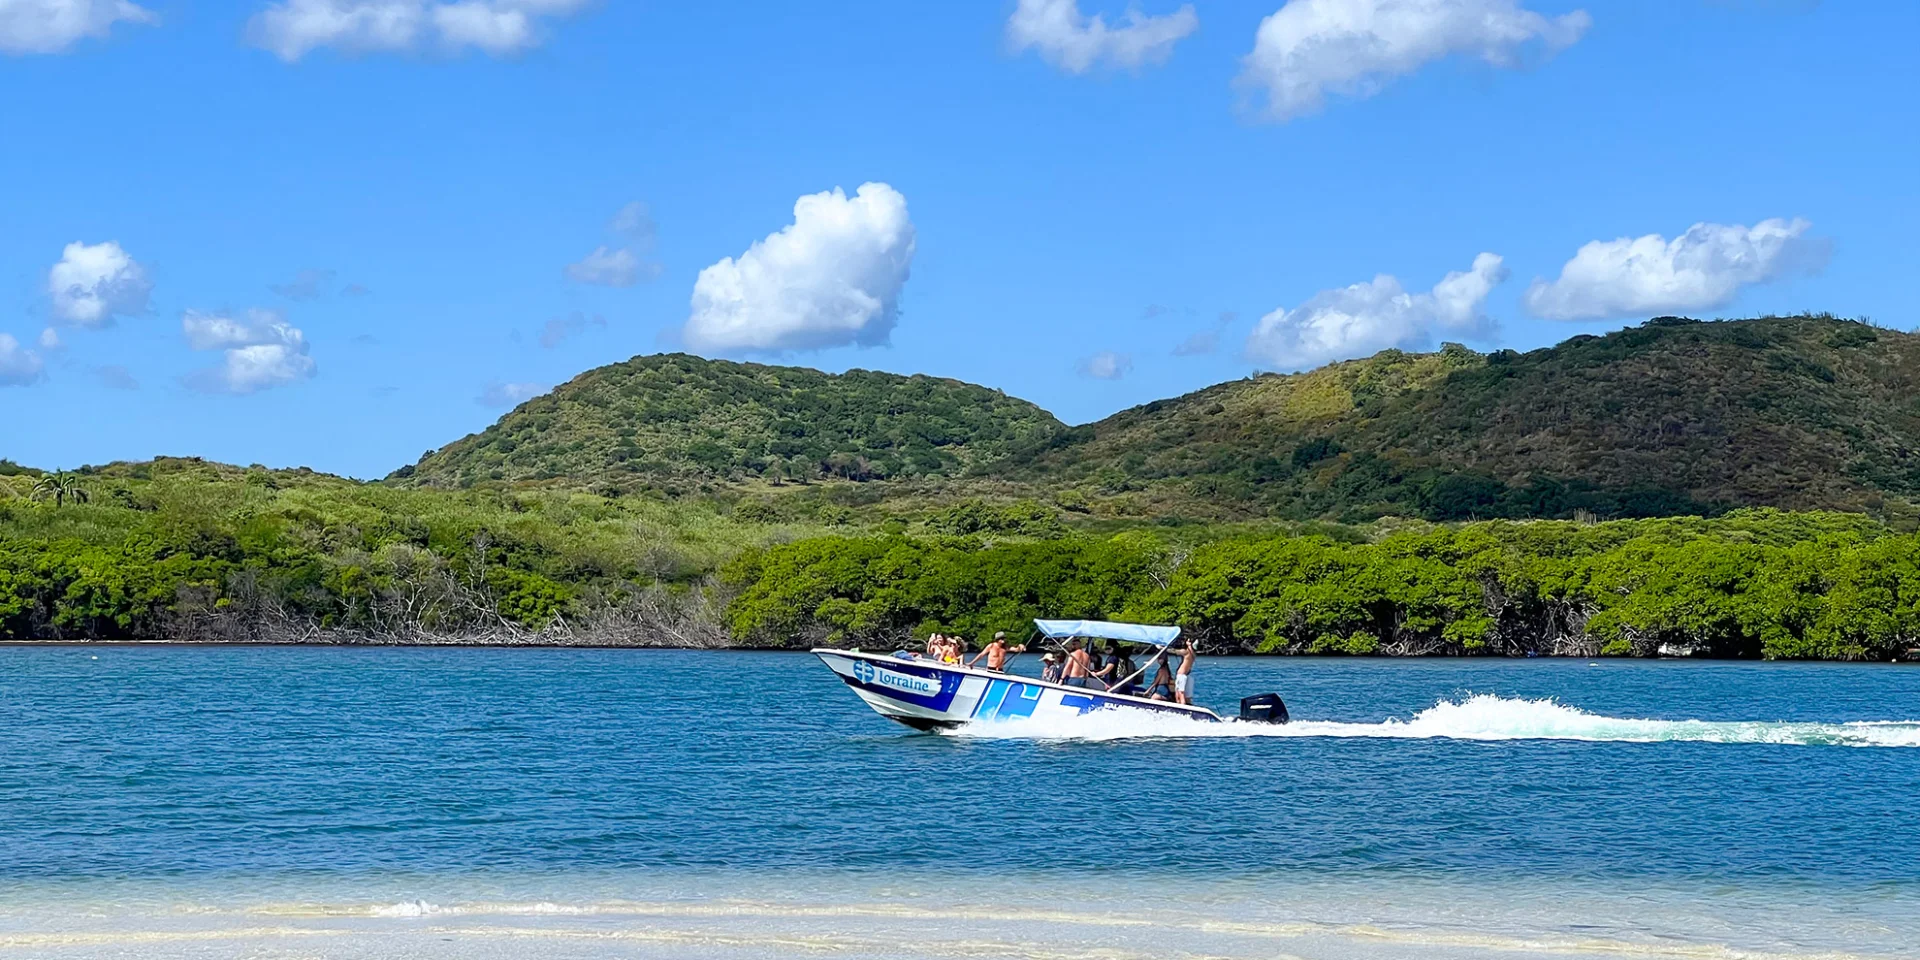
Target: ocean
(293,802)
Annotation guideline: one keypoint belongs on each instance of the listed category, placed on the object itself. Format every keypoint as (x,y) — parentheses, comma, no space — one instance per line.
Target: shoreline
(1232,655)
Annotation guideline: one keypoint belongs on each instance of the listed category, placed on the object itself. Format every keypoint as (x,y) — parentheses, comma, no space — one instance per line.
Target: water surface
(263,801)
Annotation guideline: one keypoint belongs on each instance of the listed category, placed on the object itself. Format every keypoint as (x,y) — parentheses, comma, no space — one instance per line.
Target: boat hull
(928,696)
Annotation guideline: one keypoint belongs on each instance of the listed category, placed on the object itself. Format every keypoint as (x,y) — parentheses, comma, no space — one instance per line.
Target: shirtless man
(1183,678)
(1077,667)
(996,653)
(1080,671)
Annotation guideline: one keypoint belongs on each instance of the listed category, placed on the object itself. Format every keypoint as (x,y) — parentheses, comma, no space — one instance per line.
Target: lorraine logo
(872,675)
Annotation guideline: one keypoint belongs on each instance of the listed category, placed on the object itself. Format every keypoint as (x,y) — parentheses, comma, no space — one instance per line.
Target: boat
(928,695)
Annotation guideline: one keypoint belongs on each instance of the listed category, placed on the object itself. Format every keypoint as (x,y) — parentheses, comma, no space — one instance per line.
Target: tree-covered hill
(1672,416)
(674,416)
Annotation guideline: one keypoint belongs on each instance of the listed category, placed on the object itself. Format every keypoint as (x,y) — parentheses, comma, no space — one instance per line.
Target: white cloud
(497,394)
(611,267)
(1310,48)
(50,339)
(259,350)
(621,266)
(1701,269)
(832,277)
(1106,365)
(1368,317)
(19,366)
(52,26)
(294,28)
(1075,42)
(93,284)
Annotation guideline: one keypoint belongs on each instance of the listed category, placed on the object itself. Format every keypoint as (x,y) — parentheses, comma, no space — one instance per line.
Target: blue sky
(1056,219)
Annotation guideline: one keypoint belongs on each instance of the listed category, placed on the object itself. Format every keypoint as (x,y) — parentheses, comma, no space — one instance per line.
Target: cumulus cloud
(259,349)
(832,277)
(50,339)
(1075,42)
(52,26)
(294,28)
(1106,365)
(19,366)
(497,394)
(1368,317)
(93,284)
(1310,48)
(1701,269)
(559,329)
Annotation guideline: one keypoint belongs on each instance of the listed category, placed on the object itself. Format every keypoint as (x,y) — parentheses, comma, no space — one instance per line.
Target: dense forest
(1403,505)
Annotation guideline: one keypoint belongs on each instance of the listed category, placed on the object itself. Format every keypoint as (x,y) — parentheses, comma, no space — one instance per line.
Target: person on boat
(1183,677)
(949,649)
(1106,668)
(995,653)
(1162,686)
(1080,669)
(1122,680)
(1050,669)
(1078,666)
(956,650)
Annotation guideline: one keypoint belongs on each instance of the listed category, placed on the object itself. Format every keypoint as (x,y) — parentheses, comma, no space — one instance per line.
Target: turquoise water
(252,802)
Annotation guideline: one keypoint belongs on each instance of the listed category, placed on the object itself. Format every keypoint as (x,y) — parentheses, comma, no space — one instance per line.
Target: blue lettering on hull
(1007,700)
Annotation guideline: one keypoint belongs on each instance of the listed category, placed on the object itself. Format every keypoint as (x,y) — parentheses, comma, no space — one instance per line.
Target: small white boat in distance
(927,695)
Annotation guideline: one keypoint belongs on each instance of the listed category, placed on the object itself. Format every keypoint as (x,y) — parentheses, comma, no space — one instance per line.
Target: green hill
(1673,416)
(674,416)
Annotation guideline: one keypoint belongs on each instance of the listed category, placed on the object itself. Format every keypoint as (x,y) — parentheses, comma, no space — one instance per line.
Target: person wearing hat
(996,653)
(1050,668)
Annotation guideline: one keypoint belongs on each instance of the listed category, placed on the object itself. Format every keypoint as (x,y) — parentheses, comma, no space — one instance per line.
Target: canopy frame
(1156,636)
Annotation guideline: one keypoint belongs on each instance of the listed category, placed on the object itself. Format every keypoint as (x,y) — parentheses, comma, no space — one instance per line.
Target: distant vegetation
(673,417)
(1671,417)
(1751,584)
(1388,505)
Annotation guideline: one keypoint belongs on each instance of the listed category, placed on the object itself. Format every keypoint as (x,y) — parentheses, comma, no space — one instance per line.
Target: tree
(60,487)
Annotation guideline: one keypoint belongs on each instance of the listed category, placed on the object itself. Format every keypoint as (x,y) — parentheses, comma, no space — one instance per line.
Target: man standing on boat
(1183,678)
(996,653)
(1078,666)
(1079,670)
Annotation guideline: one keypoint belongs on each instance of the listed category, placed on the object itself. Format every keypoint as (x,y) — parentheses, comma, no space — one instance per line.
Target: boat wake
(1481,717)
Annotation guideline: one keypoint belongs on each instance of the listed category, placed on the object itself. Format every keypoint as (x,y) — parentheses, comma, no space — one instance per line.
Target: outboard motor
(1265,708)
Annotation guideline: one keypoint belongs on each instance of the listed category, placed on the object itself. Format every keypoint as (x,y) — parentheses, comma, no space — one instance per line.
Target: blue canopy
(1135,632)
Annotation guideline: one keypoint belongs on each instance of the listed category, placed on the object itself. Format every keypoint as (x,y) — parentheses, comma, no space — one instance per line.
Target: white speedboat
(926,695)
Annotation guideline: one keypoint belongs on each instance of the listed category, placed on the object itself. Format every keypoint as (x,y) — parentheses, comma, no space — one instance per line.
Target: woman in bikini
(1162,686)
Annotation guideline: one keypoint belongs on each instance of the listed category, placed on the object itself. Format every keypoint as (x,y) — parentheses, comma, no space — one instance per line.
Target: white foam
(1481,717)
